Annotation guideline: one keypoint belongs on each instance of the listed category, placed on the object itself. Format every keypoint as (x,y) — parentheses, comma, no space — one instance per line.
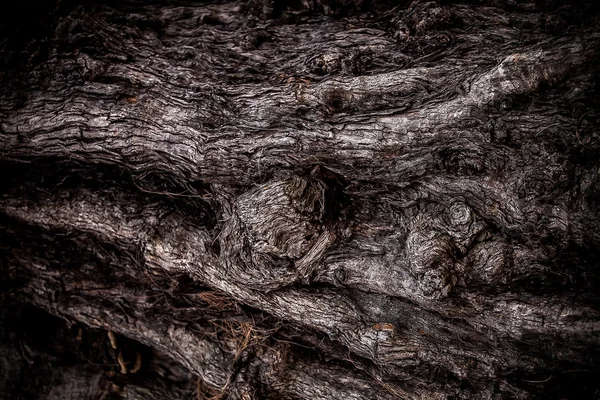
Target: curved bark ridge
(411,192)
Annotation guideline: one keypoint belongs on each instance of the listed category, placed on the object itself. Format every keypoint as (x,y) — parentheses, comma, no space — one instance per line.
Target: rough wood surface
(312,199)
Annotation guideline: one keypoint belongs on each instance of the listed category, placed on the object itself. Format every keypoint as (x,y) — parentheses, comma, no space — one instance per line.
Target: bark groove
(316,199)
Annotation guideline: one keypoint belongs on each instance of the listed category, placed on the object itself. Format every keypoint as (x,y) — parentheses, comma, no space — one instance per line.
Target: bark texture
(303,200)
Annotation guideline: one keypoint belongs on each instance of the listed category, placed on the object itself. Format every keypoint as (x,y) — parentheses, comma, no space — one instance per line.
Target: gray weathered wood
(315,200)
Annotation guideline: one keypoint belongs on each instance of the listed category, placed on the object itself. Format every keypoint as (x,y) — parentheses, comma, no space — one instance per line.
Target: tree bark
(304,200)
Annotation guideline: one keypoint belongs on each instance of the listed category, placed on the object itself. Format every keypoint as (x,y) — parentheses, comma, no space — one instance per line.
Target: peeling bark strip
(301,200)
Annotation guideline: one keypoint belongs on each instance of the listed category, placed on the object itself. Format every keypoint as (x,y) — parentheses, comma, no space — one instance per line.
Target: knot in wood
(459,215)
(276,233)
(431,262)
(283,218)
(462,225)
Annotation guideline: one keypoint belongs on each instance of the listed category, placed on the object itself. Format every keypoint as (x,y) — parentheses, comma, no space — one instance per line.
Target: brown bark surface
(301,200)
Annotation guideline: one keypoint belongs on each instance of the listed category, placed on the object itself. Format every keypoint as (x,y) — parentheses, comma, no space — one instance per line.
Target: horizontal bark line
(125,311)
(115,133)
(180,250)
(181,344)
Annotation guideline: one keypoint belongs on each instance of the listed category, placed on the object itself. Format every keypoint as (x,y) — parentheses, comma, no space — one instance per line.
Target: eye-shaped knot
(459,216)
(462,225)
